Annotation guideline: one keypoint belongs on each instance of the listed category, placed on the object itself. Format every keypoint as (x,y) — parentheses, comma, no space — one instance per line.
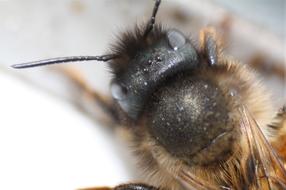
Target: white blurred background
(45,142)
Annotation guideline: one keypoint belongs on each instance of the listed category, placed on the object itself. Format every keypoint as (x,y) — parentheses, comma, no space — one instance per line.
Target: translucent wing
(269,170)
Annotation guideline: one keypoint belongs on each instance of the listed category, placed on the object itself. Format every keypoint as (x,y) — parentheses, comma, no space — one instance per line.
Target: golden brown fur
(165,171)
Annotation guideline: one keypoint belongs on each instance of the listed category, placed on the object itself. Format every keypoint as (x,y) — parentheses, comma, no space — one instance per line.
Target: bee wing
(269,170)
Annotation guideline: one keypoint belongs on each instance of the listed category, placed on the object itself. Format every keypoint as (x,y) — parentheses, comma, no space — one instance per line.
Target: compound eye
(119,92)
(176,39)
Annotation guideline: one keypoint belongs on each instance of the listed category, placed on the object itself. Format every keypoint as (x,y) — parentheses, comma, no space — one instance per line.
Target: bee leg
(87,96)
(210,46)
(279,127)
(129,186)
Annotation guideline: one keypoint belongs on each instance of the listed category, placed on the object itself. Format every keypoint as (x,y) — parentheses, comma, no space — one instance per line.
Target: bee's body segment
(197,119)
(144,63)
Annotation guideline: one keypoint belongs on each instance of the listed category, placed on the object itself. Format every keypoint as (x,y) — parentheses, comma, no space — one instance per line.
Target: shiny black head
(145,58)
(144,63)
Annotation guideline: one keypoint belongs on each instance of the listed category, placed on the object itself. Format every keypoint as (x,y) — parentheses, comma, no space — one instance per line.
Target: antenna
(60,60)
(151,22)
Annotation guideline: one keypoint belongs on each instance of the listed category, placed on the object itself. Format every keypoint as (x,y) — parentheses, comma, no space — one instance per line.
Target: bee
(197,118)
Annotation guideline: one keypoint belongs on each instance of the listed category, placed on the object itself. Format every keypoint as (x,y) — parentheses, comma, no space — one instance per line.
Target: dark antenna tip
(151,22)
(59,60)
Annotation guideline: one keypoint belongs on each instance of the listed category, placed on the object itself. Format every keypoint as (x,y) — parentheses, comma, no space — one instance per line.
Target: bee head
(144,62)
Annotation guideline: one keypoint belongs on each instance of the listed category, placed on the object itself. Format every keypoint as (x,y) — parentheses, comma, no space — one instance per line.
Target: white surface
(48,145)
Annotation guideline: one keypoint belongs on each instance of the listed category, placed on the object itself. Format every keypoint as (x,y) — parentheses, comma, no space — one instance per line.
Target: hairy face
(191,119)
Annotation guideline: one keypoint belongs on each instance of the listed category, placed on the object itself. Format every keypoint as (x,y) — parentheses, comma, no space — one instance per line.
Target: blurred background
(45,140)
